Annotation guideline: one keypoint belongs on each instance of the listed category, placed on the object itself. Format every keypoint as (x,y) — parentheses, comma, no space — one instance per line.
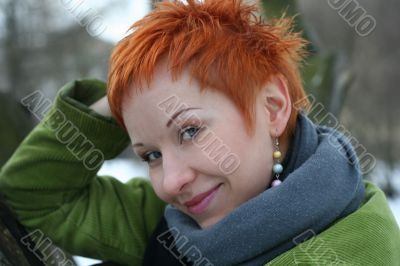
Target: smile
(199,203)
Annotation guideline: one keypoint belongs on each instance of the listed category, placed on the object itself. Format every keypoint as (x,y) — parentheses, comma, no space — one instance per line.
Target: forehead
(164,94)
(151,108)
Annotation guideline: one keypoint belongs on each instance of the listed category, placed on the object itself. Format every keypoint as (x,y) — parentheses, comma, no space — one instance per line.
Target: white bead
(276,182)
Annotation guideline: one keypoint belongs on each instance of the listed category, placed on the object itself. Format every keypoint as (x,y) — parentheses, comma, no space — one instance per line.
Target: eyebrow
(173,117)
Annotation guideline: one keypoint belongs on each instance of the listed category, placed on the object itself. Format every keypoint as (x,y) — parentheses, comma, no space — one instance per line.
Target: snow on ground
(81,261)
(124,169)
(395,206)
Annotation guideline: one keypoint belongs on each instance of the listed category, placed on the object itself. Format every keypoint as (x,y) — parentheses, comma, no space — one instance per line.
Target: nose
(177,174)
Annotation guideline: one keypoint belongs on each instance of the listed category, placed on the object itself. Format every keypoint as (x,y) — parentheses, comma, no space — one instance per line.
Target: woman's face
(201,159)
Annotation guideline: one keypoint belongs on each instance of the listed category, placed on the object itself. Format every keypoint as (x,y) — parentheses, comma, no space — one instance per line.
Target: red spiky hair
(224,44)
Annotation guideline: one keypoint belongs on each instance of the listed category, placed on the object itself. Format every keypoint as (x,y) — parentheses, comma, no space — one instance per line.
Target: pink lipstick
(199,203)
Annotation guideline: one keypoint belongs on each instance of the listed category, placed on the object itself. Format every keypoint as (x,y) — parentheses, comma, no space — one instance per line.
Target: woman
(239,176)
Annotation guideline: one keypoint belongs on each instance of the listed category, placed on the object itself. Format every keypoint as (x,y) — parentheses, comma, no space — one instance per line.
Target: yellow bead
(277,154)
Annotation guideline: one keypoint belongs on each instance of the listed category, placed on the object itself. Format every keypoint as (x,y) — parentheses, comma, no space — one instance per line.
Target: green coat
(51,184)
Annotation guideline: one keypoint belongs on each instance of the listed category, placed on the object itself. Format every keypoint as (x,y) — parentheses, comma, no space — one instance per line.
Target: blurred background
(351,74)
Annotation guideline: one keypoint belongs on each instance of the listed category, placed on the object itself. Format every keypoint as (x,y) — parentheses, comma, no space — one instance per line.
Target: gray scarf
(322,185)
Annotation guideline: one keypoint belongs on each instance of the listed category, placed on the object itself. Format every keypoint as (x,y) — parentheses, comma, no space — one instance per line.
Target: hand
(102,107)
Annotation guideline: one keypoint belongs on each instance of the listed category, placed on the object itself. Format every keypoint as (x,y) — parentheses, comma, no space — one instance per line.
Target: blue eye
(151,156)
(185,134)
(188,133)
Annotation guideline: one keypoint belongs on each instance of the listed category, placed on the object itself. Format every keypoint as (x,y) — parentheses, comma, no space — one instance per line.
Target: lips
(199,203)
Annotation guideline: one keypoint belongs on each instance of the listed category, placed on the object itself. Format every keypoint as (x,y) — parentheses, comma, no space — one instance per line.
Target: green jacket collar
(369,236)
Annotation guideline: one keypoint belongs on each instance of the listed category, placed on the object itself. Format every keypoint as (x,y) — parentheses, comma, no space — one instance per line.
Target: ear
(277,104)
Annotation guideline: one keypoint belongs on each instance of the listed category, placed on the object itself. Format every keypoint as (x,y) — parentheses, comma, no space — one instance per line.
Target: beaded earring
(277,168)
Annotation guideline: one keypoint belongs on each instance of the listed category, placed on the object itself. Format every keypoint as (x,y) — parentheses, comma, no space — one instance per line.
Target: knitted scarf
(322,184)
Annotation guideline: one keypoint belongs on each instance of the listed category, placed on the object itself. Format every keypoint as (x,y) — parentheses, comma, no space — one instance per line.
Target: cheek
(156,182)
(255,157)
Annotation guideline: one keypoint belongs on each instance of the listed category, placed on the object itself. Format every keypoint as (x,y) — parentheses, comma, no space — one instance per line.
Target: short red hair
(223,43)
